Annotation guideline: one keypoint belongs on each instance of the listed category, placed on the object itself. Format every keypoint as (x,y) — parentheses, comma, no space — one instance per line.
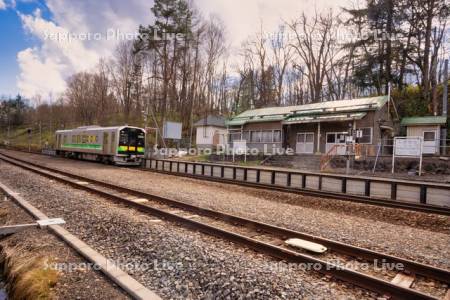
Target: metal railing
(394,190)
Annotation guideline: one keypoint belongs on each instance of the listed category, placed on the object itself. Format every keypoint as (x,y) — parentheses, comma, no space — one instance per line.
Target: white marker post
(240,147)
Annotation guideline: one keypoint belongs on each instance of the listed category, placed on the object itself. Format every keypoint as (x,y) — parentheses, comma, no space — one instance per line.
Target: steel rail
(399,204)
(354,277)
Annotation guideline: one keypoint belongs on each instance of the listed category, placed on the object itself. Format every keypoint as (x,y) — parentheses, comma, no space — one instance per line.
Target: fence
(369,187)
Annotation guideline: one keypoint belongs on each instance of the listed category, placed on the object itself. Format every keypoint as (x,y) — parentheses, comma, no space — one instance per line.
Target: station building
(315,128)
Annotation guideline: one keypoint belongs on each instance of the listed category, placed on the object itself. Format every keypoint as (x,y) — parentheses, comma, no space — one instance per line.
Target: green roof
(242,121)
(356,105)
(327,117)
(312,110)
(429,120)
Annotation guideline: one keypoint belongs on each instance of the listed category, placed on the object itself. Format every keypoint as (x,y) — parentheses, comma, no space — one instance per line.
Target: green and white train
(120,145)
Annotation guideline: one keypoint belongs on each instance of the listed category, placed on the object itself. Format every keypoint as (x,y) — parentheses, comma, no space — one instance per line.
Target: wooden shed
(429,128)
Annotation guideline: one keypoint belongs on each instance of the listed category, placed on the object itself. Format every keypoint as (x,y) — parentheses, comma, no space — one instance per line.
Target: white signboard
(408,146)
(172,130)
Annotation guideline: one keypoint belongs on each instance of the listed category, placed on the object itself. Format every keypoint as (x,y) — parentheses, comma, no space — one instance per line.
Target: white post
(420,160)
(389,101)
(393,157)
(318,137)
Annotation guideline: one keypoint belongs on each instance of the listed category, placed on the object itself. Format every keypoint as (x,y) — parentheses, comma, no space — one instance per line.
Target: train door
(113,143)
(58,146)
(132,141)
(105,142)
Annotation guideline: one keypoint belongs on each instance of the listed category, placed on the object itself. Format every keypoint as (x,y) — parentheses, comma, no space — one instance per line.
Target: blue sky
(32,64)
(13,40)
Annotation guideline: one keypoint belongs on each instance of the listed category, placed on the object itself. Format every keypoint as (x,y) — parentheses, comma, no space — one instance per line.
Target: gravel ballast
(174,262)
(75,280)
(413,235)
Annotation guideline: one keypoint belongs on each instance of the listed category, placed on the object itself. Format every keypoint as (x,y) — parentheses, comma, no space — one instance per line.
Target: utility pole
(29,139)
(7,117)
(40,134)
(444,108)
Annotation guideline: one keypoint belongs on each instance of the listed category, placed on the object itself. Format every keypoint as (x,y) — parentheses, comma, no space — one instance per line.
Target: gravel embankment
(174,262)
(413,235)
(75,280)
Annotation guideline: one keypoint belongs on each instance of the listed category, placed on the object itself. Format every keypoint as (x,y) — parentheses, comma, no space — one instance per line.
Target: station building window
(255,136)
(277,136)
(366,136)
(234,136)
(265,136)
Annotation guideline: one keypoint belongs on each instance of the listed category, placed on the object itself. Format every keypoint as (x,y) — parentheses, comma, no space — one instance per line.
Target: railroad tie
(139,200)
(82,182)
(403,280)
(191,216)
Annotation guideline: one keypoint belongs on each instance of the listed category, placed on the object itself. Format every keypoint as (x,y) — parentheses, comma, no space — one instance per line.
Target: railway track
(400,204)
(398,279)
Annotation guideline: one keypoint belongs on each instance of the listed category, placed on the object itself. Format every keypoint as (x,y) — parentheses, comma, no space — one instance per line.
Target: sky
(43,42)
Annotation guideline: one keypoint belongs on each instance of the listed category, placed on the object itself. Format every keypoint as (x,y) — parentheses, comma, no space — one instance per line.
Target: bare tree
(314,44)
(282,54)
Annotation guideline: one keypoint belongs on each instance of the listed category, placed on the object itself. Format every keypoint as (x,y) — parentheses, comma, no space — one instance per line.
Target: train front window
(123,139)
(131,141)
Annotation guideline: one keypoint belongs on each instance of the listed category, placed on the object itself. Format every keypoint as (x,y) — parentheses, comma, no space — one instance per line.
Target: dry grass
(27,275)
(3,211)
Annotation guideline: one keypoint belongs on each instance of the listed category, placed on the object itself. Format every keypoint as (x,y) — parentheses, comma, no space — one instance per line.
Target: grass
(28,276)
(36,283)
(196,158)
(250,163)
(18,137)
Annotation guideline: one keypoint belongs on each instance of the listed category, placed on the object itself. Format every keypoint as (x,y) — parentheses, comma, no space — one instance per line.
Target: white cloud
(43,76)
(243,18)
(43,69)
(2,5)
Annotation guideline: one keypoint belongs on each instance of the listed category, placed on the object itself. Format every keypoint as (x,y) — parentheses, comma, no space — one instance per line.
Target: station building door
(305,143)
